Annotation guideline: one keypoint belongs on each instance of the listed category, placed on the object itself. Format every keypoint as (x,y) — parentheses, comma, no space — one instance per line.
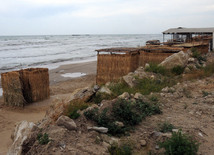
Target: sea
(51,51)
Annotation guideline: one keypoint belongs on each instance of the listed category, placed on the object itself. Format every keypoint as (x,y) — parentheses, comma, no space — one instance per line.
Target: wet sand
(60,87)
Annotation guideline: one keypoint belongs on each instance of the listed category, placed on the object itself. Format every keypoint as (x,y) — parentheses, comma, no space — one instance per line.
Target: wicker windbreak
(25,86)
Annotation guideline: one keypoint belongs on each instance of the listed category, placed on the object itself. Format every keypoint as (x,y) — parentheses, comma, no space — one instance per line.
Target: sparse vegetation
(124,149)
(43,138)
(205,93)
(128,112)
(153,98)
(101,96)
(166,127)
(155,68)
(180,144)
(73,108)
(177,70)
(197,54)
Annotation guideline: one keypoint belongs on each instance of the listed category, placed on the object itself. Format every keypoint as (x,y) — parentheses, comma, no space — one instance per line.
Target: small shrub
(209,69)
(125,112)
(197,54)
(101,96)
(153,98)
(155,68)
(128,112)
(121,87)
(177,70)
(180,144)
(146,86)
(205,93)
(124,149)
(43,139)
(72,109)
(166,127)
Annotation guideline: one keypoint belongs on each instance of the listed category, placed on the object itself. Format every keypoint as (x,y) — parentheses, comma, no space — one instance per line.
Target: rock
(129,79)
(96,88)
(114,140)
(191,60)
(138,96)
(165,90)
(105,89)
(108,84)
(175,130)
(177,59)
(168,135)
(191,67)
(22,131)
(157,147)
(147,65)
(98,129)
(187,70)
(143,142)
(120,124)
(125,95)
(85,94)
(66,122)
(156,134)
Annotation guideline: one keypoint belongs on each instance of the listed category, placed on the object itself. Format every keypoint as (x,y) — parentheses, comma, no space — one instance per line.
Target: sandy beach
(60,87)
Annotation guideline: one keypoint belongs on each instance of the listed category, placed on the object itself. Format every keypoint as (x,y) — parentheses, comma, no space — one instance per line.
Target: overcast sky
(41,17)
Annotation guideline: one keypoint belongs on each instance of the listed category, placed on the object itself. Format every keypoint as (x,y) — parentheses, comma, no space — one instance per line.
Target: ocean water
(18,52)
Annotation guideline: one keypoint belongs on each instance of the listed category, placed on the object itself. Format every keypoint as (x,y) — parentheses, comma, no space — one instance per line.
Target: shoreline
(60,89)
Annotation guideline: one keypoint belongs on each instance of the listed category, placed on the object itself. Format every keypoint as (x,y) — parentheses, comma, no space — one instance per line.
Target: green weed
(177,70)
(128,112)
(72,109)
(180,144)
(155,68)
(43,138)
(166,127)
(124,149)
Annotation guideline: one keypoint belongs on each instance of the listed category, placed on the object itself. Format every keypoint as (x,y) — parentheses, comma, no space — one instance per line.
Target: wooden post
(213,42)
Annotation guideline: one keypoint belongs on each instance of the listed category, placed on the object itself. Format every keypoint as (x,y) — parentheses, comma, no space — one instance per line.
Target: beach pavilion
(182,34)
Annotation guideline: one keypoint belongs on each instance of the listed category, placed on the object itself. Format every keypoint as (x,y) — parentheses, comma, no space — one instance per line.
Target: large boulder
(66,122)
(21,133)
(130,79)
(177,59)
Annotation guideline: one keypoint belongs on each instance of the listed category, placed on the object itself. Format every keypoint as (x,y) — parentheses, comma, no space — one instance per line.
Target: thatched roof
(126,50)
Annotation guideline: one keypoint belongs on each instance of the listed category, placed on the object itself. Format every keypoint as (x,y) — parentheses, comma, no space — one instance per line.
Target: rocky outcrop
(177,59)
(66,122)
(21,133)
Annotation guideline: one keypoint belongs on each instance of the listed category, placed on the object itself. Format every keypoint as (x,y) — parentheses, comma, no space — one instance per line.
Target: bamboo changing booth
(25,86)
(114,63)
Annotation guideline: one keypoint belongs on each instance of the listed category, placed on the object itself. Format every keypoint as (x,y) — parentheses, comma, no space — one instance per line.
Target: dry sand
(60,88)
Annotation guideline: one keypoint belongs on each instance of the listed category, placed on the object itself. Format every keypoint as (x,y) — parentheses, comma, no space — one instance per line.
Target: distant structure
(113,63)
(187,35)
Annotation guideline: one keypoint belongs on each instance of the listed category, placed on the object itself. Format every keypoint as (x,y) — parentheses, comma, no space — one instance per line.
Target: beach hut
(113,63)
